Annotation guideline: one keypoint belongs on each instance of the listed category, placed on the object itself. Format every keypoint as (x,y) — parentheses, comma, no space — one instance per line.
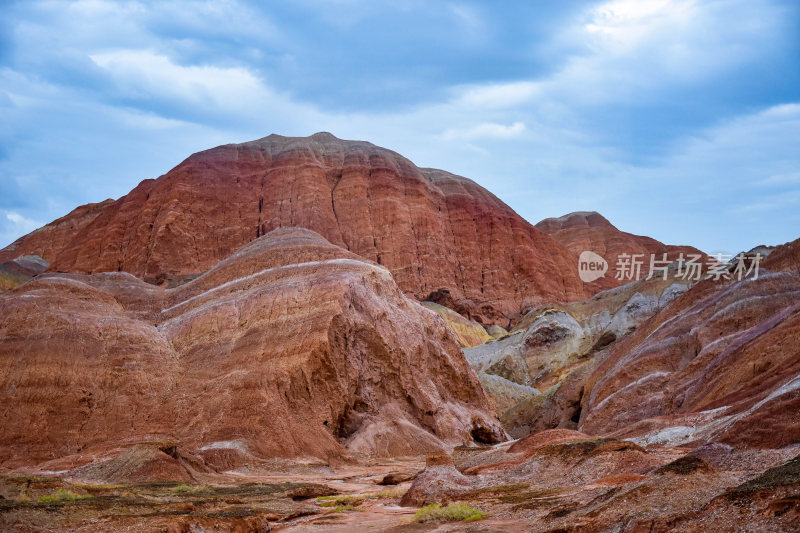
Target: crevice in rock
(576,416)
(337,179)
(259,230)
(482,435)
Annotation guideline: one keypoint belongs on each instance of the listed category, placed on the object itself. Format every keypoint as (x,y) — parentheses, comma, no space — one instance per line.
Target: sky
(677,119)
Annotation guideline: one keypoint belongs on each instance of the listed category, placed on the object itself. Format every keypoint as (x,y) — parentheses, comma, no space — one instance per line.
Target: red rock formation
(784,258)
(433,230)
(291,346)
(720,363)
(591,231)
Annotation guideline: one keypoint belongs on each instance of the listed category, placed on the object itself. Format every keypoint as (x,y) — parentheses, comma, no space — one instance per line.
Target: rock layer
(290,347)
(433,230)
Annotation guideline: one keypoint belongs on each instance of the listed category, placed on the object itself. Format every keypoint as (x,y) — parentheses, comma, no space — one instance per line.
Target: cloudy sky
(678,119)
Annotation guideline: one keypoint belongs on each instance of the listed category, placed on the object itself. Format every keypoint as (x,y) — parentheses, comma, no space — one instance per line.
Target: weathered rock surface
(440,482)
(505,393)
(498,332)
(433,230)
(719,364)
(290,347)
(564,480)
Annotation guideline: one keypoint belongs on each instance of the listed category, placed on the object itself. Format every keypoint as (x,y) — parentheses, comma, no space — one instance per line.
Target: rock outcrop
(290,347)
(555,347)
(784,258)
(468,333)
(433,230)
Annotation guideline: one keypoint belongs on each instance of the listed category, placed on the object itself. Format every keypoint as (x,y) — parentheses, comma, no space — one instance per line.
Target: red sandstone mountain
(290,347)
(581,231)
(436,232)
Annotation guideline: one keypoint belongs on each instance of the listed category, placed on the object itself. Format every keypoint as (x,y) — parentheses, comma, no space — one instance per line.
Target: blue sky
(676,119)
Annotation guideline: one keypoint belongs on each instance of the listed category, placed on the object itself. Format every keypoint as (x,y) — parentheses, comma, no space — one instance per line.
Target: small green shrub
(395,492)
(341,500)
(344,508)
(185,488)
(62,495)
(458,512)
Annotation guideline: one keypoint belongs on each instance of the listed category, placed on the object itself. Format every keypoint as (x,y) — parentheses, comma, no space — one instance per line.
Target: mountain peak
(322,136)
(587,219)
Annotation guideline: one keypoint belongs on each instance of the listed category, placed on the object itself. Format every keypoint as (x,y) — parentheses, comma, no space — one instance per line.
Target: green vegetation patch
(458,512)
(63,496)
(786,474)
(684,466)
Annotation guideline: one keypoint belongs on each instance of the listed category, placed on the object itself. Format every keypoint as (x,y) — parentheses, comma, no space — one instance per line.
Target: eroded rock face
(720,364)
(433,230)
(554,349)
(290,347)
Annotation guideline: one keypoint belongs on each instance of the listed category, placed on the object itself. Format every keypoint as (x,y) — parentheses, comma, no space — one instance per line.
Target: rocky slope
(468,333)
(718,364)
(290,347)
(433,230)
(564,480)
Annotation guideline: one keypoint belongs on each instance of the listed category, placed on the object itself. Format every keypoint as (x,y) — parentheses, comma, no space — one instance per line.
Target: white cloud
(787,178)
(487,130)
(500,95)
(640,50)
(20,224)
(145,73)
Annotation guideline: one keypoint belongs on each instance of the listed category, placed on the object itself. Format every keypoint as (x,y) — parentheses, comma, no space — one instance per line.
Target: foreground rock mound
(432,230)
(291,347)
